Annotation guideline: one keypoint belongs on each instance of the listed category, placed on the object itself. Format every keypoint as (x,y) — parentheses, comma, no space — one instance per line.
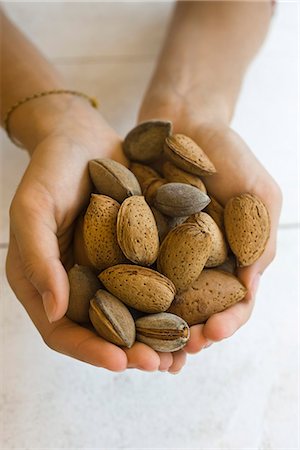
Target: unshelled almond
(213,292)
(145,142)
(143,173)
(83,285)
(187,155)
(180,199)
(139,287)
(218,252)
(183,254)
(164,332)
(174,174)
(137,231)
(100,232)
(112,319)
(247,225)
(113,179)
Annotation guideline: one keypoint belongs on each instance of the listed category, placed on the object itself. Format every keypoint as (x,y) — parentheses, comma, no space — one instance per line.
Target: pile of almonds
(154,252)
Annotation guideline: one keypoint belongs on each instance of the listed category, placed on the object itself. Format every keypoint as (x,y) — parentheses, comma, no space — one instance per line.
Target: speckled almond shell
(213,292)
(113,179)
(216,211)
(139,287)
(247,225)
(183,254)
(143,173)
(174,174)
(187,155)
(206,223)
(180,199)
(100,232)
(112,319)
(145,142)
(137,231)
(83,285)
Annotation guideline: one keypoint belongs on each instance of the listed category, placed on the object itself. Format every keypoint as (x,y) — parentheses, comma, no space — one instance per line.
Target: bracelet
(7,116)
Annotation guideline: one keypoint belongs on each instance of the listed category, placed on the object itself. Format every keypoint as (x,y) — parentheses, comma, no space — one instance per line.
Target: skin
(196,88)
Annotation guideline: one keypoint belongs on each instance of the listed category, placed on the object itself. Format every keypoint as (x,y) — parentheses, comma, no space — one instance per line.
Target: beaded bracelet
(7,116)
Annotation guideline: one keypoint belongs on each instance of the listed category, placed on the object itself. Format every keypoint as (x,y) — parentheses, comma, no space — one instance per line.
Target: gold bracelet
(7,116)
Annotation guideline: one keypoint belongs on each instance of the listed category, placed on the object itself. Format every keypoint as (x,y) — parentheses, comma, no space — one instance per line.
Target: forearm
(24,72)
(207,51)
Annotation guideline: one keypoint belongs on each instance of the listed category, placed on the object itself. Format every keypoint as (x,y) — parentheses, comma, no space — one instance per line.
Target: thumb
(40,255)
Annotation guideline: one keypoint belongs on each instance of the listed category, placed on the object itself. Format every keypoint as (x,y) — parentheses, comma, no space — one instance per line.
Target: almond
(164,332)
(213,292)
(180,200)
(145,142)
(143,173)
(183,254)
(218,253)
(150,189)
(174,174)
(216,211)
(187,155)
(139,287)
(161,223)
(112,319)
(137,231)
(79,249)
(83,285)
(100,232)
(247,225)
(113,179)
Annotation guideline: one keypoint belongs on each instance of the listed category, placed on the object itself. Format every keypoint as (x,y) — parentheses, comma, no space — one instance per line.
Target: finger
(179,359)
(197,340)
(34,229)
(80,343)
(141,356)
(222,325)
(166,360)
(63,336)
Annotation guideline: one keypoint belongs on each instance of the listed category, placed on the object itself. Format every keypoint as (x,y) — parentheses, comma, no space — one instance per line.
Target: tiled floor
(241,393)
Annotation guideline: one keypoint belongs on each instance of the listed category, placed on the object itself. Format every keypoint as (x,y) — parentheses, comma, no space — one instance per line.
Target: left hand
(238,171)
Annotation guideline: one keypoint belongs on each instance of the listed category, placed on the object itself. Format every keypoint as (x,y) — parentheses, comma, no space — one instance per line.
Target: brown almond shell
(247,225)
(100,232)
(213,292)
(113,179)
(182,151)
(112,319)
(139,287)
(137,231)
(183,254)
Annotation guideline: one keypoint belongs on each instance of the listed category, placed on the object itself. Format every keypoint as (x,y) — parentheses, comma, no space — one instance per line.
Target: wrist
(35,120)
(185,111)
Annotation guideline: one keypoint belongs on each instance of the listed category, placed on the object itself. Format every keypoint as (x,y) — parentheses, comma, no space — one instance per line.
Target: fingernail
(174,373)
(208,344)
(49,305)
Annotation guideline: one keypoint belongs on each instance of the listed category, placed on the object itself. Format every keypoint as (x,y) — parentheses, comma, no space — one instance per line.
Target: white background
(241,393)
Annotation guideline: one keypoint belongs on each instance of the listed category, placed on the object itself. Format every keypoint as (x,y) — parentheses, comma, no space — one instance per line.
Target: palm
(237,171)
(55,189)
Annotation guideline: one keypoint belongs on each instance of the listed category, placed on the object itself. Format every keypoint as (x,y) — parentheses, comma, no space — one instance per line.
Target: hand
(238,171)
(53,191)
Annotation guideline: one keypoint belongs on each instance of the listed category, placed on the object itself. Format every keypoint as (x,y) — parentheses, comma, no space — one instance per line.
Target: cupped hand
(238,171)
(53,191)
